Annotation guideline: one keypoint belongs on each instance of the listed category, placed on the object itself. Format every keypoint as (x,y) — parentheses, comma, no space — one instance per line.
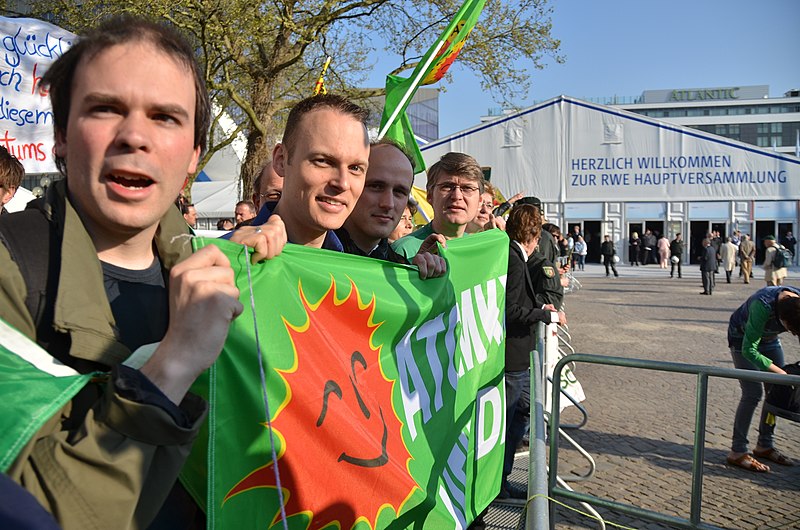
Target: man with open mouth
(102,266)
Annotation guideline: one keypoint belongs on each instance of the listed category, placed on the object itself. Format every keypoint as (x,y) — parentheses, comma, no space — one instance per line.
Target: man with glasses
(455,185)
(267,187)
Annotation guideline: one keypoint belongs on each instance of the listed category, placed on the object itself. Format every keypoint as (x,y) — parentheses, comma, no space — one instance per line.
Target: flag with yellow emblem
(433,66)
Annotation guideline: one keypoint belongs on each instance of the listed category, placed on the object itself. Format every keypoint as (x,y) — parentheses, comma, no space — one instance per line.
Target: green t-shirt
(408,246)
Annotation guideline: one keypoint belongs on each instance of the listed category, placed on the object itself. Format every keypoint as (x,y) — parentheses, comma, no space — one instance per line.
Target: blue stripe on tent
(489,125)
(202,177)
(643,120)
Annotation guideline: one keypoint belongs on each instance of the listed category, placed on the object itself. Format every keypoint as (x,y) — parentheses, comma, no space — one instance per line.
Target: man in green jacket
(131,114)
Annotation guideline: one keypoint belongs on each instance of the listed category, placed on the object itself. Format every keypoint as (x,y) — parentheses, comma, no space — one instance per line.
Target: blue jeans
(518,407)
(751,395)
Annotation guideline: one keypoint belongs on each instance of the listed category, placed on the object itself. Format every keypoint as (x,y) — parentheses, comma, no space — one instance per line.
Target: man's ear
(60,149)
(280,159)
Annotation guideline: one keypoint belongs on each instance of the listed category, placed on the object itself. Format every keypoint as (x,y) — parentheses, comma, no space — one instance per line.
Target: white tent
(215,200)
(567,150)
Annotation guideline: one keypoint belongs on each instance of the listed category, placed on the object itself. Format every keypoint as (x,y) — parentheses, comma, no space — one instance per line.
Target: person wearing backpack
(753,339)
(774,263)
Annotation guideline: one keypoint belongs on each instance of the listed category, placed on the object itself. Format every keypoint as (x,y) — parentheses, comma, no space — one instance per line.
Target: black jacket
(521,312)
(708,259)
(546,281)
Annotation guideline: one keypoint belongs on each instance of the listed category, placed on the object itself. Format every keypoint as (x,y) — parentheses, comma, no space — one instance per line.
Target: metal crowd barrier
(535,520)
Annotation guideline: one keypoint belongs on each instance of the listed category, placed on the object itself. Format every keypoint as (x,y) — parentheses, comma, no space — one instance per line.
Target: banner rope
(264,392)
(568,507)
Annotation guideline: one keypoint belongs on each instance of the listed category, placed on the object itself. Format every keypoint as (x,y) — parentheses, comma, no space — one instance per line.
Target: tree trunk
(259,147)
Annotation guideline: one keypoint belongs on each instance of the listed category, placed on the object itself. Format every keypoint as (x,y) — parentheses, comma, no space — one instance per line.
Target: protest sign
(29,47)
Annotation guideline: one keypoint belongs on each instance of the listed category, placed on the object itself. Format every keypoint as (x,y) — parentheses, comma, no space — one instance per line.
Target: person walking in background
(608,252)
(736,239)
(773,274)
(753,332)
(789,241)
(648,248)
(716,242)
(747,254)
(676,249)
(727,253)
(580,251)
(708,264)
(663,251)
(634,245)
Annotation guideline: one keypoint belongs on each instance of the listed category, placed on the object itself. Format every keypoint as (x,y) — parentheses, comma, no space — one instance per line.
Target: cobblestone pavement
(641,423)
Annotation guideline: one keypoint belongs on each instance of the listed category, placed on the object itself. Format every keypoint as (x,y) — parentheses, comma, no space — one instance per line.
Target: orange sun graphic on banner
(342,456)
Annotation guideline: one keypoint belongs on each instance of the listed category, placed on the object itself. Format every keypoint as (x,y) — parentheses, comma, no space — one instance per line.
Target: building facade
(746,114)
(612,171)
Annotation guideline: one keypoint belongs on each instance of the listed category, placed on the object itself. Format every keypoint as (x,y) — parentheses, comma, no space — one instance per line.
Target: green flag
(385,392)
(433,66)
(34,386)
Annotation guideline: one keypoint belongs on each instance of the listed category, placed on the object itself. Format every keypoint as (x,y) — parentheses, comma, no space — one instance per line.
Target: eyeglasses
(487,205)
(449,187)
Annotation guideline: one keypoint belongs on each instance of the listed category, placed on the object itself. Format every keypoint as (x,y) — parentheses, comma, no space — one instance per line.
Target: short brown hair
(524,223)
(115,31)
(389,141)
(11,170)
(787,309)
(457,165)
(322,101)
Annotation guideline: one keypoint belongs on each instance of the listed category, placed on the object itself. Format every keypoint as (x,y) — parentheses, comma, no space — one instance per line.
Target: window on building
(770,135)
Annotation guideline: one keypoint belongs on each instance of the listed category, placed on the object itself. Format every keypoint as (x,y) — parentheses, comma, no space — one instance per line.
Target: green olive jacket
(111,456)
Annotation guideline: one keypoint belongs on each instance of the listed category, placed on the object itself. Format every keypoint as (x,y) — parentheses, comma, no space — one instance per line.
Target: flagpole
(421,72)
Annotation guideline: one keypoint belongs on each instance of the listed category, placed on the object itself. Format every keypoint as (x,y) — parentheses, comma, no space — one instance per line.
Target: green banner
(385,392)
(34,387)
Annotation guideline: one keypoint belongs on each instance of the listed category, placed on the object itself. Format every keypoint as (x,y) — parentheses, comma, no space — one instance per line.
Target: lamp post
(41,189)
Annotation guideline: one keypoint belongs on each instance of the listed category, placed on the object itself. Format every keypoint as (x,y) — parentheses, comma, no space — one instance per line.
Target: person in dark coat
(716,242)
(522,313)
(648,248)
(546,281)
(676,249)
(789,241)
(708,264)
(634,244)
(608,252)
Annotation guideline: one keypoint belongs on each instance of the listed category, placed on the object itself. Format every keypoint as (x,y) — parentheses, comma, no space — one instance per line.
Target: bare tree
(261,57)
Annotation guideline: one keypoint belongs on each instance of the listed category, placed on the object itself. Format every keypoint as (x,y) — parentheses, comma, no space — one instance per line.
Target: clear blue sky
(623,47)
